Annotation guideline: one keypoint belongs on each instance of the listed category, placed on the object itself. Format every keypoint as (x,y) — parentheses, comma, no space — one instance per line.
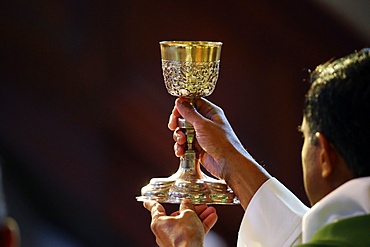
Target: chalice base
(188,182)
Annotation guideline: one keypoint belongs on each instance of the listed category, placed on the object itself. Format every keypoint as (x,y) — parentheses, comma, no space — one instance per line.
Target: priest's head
(336,124)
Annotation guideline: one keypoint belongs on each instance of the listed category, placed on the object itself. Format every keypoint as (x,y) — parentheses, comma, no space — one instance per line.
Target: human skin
(184,228)
(221,152)
(223,155)
(324,168)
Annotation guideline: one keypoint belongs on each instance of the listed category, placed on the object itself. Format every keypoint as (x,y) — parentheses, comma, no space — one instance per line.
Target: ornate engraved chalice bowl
(190,69)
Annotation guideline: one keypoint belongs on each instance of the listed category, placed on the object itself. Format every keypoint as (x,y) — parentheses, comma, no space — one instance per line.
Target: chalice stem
(189,160)
(188,130)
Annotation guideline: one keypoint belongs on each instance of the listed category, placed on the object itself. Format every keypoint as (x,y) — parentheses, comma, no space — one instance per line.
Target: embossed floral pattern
(190,79)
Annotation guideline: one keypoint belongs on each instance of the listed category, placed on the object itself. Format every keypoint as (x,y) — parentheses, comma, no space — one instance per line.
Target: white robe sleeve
(272,218)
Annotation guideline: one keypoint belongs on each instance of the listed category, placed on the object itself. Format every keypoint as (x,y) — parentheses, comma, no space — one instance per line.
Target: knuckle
(188,213)
(153,227)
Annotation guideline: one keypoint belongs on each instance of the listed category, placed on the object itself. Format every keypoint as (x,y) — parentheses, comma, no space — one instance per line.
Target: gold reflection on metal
(190,51)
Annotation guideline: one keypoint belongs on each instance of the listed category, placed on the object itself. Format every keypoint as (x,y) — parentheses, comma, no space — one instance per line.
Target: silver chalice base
(188,182)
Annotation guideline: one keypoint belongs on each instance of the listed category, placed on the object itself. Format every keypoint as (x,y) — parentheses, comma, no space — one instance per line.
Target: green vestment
(354,231)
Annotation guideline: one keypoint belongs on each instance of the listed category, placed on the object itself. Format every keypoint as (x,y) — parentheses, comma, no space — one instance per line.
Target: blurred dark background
(84,110)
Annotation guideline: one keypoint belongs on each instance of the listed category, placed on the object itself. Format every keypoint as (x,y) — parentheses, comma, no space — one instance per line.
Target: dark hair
(338,105)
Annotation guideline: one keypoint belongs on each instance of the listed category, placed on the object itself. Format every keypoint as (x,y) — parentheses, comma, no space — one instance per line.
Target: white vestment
(276,217)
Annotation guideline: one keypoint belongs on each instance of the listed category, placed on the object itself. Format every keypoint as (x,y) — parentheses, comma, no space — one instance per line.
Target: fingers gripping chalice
(190,69)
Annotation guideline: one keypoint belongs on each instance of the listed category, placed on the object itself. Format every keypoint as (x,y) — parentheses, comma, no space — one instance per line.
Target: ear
(328,155)
(9,233)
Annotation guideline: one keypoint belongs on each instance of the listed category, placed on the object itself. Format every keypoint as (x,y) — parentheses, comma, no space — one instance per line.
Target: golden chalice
(190,69)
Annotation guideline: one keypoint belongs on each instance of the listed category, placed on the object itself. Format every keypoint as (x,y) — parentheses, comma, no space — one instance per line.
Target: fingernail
(185,104)
(187,200)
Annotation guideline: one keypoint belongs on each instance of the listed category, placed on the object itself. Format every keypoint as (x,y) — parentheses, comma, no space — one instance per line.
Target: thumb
(186,204)
(187,111)
(155,208)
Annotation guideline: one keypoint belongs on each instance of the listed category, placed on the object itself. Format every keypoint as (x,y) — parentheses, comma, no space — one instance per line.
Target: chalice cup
(190,69)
